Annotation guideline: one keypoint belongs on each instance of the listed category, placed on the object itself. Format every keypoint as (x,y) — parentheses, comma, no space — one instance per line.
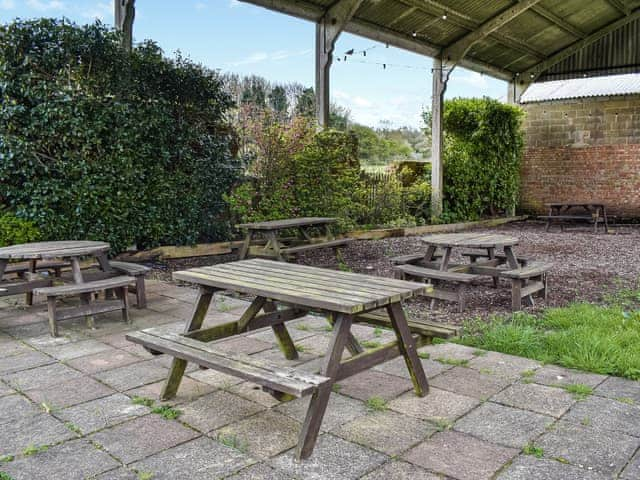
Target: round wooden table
(71,250)
(486,241)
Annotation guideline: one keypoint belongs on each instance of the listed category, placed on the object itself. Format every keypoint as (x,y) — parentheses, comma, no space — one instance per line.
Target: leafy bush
(99,143)
(482,152)
(298,172)
(15,230)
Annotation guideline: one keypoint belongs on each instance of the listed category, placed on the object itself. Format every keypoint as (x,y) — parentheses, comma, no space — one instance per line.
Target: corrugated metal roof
(583,87)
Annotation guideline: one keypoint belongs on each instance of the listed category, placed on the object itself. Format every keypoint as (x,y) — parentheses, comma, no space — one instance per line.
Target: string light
(384,65)
(444,15)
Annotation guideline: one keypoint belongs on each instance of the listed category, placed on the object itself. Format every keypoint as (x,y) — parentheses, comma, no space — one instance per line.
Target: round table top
(470,240)
(61,249)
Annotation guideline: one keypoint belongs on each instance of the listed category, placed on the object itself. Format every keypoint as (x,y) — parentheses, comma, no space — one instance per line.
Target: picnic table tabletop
(304,286)
(470,240)
(287,223)
(55,249)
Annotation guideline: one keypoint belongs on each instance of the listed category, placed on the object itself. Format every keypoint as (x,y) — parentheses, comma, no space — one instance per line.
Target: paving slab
(469,382)
(620,388)
(451,351)
(15,407)
(438,405)
(372,383)
(5,390)
(398,367)
(18,318)
(508,366)
(332,459)
(199,459)
(605,414)
(526,467)
(460,456)
(216,410)
(67,394)
(555,375)
(36,430)
(606,452)
(142,437)
(263,435)
(41,377)
(537,398)
(632,470)
(75,460)
(23,361)
(503,425)
(189,390)
(260,471)
(102,413)
(340,410)
(73,350)
(254,392)
(275,356)
(243,344)
(399,470)
(215,378)
(38,336)
(133,376)
(297,332)
(9,348)
(118,474)
(106,360)
(387,432)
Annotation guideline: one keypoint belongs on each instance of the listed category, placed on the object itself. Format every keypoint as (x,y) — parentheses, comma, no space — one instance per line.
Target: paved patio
(67,410)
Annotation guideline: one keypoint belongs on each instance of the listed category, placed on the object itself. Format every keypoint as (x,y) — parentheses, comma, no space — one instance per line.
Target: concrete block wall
(583,150)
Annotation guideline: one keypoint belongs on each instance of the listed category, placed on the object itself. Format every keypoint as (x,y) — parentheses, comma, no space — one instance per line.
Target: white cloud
(100,11)
(234,3)
(7,4)
(258,57)
(473,79)
(45,5)
(200,6)
(401,110)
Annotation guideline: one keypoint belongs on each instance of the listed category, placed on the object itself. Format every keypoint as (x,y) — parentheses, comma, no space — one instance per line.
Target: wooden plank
(368,359)
(531,270)
(88,309)
(15,288)
(130,268)
(85,287)
(531,288)
(287,223)
(189,350)
(436,274)
(422,327)
(316,245)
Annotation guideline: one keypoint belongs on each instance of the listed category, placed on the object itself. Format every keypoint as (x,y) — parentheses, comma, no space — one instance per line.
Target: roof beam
(535,71)
(560,22)
(620,6)
(457,50)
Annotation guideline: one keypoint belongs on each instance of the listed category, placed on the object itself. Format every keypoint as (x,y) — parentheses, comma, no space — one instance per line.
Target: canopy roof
(627,84)
(533,39)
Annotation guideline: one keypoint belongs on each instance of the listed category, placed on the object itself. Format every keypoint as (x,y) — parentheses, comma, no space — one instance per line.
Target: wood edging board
(222,248)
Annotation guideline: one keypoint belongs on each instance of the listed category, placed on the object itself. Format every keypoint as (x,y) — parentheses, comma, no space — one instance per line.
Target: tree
(278,100)
(306,103)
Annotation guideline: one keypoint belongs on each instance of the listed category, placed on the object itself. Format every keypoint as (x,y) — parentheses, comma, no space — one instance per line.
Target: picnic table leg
(29,295)
(319,400)
(604,216)
(85,298)
(244,250)
(353,345)
(178,365)
(516,284)
(491,253)
(407,346)
(446,256)
(272,239)
(282,335)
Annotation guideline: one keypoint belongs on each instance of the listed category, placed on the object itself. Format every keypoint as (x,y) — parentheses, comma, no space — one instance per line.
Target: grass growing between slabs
(597,338)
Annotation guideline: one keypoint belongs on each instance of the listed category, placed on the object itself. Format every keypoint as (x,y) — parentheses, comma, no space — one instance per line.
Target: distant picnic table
(264,239)
(343,297)
(564,212)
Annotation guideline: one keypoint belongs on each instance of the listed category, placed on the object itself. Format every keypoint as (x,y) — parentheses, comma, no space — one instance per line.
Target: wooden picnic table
(69,250)
(594,212)
(281,248)
(343,297)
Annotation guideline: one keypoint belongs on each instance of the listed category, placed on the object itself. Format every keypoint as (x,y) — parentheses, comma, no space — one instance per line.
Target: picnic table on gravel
(286,292)
(590,212)
(282,248)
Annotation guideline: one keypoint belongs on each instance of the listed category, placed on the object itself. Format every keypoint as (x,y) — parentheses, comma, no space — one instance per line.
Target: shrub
(481,158)
(98,143)
(15,230)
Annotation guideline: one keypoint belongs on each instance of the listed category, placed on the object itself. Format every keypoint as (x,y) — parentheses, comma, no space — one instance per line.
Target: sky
(237,37)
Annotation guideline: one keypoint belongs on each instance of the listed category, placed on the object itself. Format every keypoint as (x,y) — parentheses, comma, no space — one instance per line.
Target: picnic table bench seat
(461,279)
(138,272)
(411,258)
(88,307)
(271,377)
(474,256)
(418,326)
(526,281)
(340,242)
(21,268)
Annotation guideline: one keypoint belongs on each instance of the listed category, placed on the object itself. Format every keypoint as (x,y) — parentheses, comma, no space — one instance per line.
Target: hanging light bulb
(349,52)
(364,53)
(444,15)
(384,66)
(414,34)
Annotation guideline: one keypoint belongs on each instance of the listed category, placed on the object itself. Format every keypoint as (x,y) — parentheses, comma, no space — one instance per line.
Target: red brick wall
(583,150)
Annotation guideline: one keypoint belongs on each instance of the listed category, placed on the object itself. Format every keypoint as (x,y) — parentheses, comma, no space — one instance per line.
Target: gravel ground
(586,267)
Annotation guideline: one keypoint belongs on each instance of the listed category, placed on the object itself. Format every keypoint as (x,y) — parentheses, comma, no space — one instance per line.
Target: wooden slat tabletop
(58,249)
(470,240)
(288,223)
(303,286)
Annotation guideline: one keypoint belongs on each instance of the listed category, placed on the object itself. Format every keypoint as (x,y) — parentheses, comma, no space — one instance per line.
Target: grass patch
(377,332)
(300,348)
(336,387)
(531,449)
(452,361)
(627,400)
(73,427)
(578,390)
(442,424)
(599,339)
(6,458)
(370,344)
(479,353)
(233,441)
(167,412)
(145,475)
(376,404)
(424,355)
(147,402)
(303,326)
(33,449)
(5,476)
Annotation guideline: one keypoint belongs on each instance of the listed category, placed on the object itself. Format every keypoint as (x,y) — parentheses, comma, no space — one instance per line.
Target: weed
(528,373)
(232,441)
(328,328)
(442,424)
(377,332)
(586,421)
(6,458)
(73,427)
(167,412)
(531,449)
(33,449)
(561,459)
(424,355)
(147,402)
(627,400)
(300,348)
(303,326)
(479,353)
(486,371)
(344,267)
(336,387)
(376,404)
(437,341)
(579,391)
(370,344)
(145,475)
(452,361)
(5,476)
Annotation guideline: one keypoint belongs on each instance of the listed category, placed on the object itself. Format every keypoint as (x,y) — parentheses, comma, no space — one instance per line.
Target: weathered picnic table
(527,277)
(281,248)
(590,212)
(343,297)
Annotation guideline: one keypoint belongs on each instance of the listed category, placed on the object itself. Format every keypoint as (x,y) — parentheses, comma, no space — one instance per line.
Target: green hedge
(98,143)
(483,150)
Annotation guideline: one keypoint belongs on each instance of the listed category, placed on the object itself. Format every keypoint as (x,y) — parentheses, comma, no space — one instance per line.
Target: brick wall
(586,149)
